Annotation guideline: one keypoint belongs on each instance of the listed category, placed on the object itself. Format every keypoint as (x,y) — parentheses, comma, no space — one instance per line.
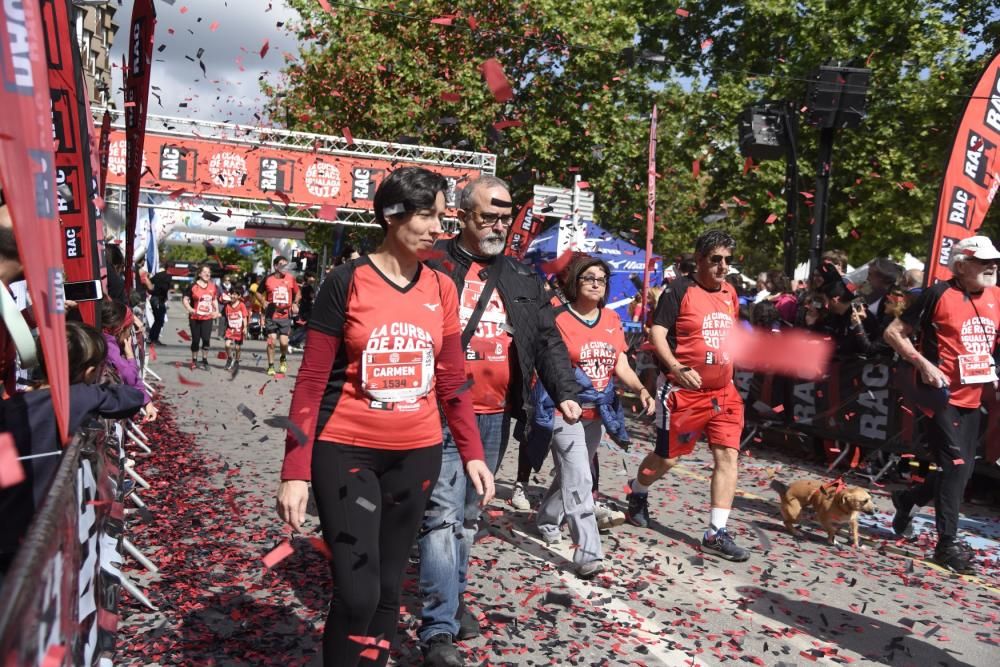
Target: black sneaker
(951,556)
(468,625)
(902,522)
(229,364)
(637,513)
(204,364)
(723,545)
(440,651)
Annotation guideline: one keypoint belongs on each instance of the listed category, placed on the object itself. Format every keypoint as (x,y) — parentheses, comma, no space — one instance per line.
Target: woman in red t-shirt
(596,343)
(201,301)
(383,351)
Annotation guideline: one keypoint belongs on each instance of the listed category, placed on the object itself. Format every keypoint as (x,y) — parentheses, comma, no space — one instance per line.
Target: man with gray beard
(508,334)
(956,323)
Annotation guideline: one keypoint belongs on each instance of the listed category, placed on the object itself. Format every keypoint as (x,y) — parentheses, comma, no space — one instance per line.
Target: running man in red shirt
(692,319)
(237,320)
(283,296)
(957,322)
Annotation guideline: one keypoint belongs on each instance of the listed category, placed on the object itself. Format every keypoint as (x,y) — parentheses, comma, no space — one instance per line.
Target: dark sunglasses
(718,259)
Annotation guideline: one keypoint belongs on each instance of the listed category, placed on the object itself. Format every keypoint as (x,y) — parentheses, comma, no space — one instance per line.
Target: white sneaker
(519,499)
(607,517)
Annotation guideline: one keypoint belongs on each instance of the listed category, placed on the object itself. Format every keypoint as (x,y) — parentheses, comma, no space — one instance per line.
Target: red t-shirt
(488,354)
(594,348)
(697,322)
(237,318)
(280,292)
(203,300)
(381,388)
(953,324)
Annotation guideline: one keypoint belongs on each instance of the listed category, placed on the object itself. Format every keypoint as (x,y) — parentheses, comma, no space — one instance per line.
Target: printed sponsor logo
(992,117)
(15,63)
(68,189)
(978,152)
(74,247)
(178,163)
(137,66)
(228,170)
(56,289)
(451,193)
(363,182)
(945,252)
(323,180)
(276,174)
(42,167)
(62,122)
(625,265)
(961,208)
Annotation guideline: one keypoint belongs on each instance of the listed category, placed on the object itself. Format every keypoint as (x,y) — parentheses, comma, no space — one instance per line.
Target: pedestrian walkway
(661,602)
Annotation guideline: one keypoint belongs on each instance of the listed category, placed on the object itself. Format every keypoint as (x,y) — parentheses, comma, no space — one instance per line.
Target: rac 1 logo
(15,64)
(978,154)
(961,207)
(992,117)
(945,255)
(74,250)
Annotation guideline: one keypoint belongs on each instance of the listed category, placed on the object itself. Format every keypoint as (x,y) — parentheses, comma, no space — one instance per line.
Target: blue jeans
(449,528)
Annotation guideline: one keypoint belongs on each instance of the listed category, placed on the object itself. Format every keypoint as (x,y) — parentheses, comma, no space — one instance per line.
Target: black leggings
(201,332)
(370,503)
(953,435)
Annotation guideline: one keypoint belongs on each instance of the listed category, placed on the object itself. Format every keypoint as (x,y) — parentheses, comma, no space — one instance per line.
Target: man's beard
(492,245)
(980,281)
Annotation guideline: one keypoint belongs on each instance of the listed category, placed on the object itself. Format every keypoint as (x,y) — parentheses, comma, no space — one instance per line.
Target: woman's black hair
(112,315)
(85,348)
(764,314)
(115,256)
(571,277)
(407,190)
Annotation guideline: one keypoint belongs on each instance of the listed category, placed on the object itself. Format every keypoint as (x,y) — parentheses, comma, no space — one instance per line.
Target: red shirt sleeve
(317,362)
(456,400)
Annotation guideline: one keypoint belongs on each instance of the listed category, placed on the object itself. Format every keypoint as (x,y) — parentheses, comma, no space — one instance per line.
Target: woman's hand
(126,342)
(482,480)
(151,413)
(293,494)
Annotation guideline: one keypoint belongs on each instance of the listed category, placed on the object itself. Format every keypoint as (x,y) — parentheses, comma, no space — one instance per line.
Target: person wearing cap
(956,322)
(882,276)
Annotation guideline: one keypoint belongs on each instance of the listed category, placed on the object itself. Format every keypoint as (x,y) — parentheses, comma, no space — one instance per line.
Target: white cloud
(228,88)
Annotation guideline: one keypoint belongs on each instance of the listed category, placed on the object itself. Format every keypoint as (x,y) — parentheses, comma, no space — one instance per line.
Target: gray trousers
(570,498)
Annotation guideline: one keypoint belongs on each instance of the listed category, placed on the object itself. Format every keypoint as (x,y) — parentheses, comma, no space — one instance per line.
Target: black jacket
(537,345)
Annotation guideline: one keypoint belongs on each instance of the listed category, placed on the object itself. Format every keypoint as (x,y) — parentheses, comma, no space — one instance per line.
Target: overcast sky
(232,34)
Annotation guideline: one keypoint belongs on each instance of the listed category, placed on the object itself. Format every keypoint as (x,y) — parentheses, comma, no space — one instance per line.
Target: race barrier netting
(59,601)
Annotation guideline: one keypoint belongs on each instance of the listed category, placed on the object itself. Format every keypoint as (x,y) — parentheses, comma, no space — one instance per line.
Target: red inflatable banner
(972,177)
(28,173)
(71,129)
(286,176)
(140,57)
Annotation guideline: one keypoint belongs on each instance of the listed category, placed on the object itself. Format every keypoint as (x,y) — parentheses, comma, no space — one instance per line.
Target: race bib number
(976,368)
(397,375)
(205,304)
(280,296)
(236,322)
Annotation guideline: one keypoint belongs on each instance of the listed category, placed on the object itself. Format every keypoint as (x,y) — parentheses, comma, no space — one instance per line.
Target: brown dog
(834,504)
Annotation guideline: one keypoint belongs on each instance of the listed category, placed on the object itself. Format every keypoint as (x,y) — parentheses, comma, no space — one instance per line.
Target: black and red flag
(140,57)
(28,174)
(971,177)
(71,131)
(523,231)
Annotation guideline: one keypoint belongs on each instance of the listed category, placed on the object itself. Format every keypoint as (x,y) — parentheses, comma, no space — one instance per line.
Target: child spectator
(118,321)
(30,420)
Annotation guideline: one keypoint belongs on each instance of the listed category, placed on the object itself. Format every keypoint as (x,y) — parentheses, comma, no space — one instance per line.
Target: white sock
(637,487)
(717,519)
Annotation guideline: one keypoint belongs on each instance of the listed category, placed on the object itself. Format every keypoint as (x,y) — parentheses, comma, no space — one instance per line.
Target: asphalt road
(661,601)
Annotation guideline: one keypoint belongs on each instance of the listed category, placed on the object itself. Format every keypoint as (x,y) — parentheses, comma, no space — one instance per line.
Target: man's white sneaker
(519,499)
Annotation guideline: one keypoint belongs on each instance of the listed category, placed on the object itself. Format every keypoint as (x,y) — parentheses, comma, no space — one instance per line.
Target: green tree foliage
(585,76)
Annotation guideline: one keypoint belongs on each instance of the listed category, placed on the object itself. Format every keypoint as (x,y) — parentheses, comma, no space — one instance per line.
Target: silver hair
(483,181)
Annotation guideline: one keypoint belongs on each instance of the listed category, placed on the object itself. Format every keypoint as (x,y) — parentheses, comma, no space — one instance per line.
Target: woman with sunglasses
(596,343)
(383,352)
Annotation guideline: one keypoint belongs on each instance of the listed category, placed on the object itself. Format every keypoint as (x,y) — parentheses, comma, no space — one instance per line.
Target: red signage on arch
(215,168)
